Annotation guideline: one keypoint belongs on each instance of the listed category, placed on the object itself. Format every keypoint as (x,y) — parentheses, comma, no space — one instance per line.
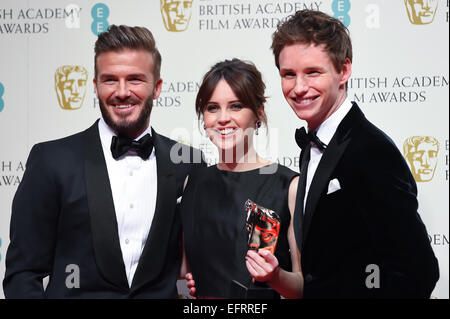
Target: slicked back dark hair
(122,37)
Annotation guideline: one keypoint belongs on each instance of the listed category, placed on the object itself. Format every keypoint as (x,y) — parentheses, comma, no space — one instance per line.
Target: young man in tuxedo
(356,220)
(97,211)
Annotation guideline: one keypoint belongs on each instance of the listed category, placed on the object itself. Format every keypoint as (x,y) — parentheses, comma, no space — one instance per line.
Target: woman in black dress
(220,201)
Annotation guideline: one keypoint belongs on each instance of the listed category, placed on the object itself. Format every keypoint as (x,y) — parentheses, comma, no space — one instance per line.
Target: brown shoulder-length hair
(314,27)
(244,79)
(120,37)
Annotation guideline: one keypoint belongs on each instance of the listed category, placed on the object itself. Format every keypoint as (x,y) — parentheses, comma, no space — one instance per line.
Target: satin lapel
(298,213)
(108,254)
(155,250)
(327,164)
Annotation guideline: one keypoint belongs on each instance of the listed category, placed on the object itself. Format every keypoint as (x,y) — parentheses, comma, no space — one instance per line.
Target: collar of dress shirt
(326,130)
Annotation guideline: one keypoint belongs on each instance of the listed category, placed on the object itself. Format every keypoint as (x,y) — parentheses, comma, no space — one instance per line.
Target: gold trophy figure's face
(423,161)
(421,11)
(176,14)
(71,88)
(267,233)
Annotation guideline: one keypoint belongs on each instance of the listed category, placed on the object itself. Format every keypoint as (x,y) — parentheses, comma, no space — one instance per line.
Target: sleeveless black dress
(214,217)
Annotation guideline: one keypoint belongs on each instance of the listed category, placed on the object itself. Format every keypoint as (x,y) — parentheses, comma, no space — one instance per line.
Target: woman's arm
(263,265)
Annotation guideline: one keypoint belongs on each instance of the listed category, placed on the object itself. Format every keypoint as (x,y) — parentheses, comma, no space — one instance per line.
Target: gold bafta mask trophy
(421,11)
(176,14)
(263,227)
(421,153)
(70,86)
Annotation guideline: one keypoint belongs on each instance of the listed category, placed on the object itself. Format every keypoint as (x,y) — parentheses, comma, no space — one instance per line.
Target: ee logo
(2,104)
(341,9)
(100,14)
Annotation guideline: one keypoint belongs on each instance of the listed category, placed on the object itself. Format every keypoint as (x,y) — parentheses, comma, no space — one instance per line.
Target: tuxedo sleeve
(408,266)
(33,229)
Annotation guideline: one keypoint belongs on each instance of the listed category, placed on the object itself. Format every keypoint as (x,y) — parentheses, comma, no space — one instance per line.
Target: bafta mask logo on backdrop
(70,86)
(421,11)
(176,14)
(421,153)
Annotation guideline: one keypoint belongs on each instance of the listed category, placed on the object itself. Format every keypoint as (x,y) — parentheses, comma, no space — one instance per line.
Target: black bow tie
(122,144)
(302,138)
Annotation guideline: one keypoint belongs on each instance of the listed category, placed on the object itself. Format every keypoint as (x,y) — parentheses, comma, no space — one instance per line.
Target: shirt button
(131,206)
(127,241)
(131,173)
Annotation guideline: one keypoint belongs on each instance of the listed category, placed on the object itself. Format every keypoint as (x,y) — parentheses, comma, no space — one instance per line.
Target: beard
(124,126)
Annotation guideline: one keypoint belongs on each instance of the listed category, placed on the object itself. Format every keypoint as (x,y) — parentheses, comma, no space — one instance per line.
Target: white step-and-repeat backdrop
(400,80)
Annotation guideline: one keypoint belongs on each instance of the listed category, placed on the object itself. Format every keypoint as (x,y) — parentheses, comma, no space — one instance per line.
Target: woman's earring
(257,126)
(205,132)
(201,126)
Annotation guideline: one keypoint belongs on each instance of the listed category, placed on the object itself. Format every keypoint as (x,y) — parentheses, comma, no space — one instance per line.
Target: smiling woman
(213,209)
(231,102)
(228,122)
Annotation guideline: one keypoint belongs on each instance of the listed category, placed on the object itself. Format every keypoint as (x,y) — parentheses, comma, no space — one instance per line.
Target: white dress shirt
(324,132)
(133,186)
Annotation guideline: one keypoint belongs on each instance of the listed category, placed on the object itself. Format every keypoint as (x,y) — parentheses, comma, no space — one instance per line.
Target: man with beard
(96,212)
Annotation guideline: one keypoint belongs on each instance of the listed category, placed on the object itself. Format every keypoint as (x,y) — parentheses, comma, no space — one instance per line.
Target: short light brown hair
(121,37)
(244,79)
(314,27)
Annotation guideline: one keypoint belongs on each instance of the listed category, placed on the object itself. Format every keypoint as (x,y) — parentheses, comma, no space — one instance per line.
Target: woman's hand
(262,265)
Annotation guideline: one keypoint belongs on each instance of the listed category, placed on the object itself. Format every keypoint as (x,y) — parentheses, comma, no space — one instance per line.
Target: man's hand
(190,284)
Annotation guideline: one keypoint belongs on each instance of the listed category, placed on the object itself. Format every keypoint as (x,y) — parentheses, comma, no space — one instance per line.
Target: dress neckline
(248,171)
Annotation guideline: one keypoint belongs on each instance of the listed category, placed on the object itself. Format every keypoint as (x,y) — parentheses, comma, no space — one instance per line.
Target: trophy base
(240,291)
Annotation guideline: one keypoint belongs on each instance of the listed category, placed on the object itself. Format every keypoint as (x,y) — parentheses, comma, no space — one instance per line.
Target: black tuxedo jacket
(63,215)
(366,239)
